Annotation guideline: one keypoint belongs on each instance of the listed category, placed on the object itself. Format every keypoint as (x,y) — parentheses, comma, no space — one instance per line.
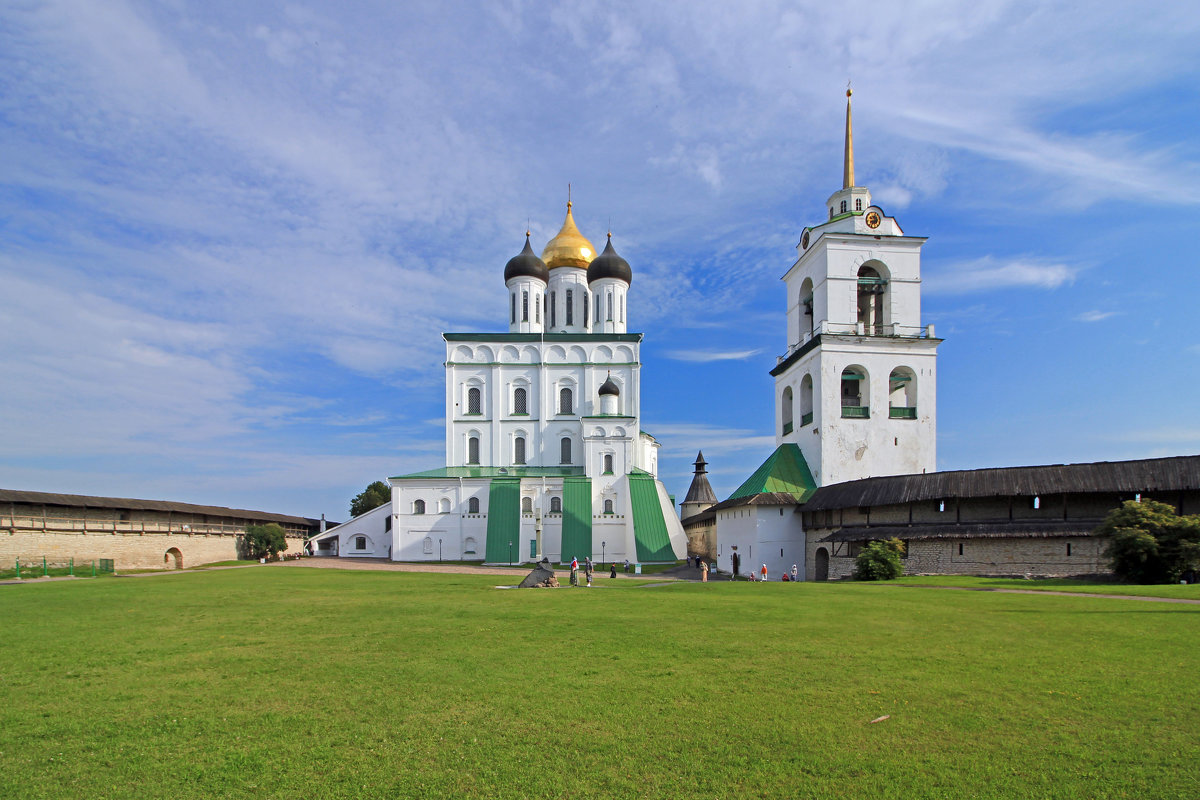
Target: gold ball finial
(849,92)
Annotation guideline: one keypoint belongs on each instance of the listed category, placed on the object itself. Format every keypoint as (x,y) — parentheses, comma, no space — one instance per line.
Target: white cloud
(1096,316)
(989,274)
(708,356)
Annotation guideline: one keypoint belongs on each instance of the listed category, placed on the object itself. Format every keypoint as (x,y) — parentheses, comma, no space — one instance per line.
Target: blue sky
(231,233)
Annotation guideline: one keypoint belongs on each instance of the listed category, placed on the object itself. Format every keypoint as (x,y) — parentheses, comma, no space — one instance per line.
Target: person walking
(764,571)
(794,574)
(574,571)
(612,573)
(704,572)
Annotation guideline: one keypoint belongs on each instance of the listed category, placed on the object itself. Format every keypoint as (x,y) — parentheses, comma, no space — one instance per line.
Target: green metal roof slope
(504,521)
(649,527)
(785,471)
(577,518)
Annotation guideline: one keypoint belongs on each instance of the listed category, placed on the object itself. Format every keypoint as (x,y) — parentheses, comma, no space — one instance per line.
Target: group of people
(794,575)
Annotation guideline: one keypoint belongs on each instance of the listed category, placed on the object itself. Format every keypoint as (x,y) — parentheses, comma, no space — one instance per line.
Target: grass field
(315,683)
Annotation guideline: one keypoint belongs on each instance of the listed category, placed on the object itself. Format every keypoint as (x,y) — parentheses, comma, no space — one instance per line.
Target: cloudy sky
(231,233)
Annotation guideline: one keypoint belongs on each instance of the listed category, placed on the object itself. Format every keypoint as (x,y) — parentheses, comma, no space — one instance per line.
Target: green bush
(263,541)
(880,561)
(1149,543)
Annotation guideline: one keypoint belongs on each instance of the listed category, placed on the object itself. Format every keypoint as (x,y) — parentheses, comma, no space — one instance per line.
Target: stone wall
(128,551)
(1039,557)
(702,538)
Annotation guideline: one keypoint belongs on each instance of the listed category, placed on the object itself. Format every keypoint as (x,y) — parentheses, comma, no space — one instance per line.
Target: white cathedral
(856,389)
(545,455)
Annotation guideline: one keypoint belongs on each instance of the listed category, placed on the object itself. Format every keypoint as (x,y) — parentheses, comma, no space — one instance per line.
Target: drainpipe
(460,518)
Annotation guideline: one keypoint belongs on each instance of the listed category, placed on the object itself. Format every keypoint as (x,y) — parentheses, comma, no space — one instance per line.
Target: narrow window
(960,548)
(1037,503)
(942,507)
(537,309)
(553,311)
(360,543)
(519,450)
(418,506)
(585,309)
(473,450)
(514,306)
(622,308)
(608,506)
(608,464)
(843,206)
(858,204)
(610,307)
(565,404)
(473,505)
(570,307)
(428,545)
(524,306)
(555,505)
(526,505)
(520,401)
(474,404)
(1068,548)
(565,450)
(387,523)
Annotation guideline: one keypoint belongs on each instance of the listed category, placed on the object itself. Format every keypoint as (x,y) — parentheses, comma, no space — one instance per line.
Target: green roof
(495,472)
(649,528)
(785,472)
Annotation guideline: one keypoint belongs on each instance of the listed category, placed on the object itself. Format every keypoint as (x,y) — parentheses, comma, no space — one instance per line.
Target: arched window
(872,288)
(474,400)
(473,450)
(843,207)
(785,410)
(444,505)
(806,400)
(472,505)
(537,308)
(855,393)
(608,506)
(902,394)
(514,306)
(427,545)
(858,204)
(469,546)
(608,461)
(553,309)
(519,450)
(520,401)
(524,306)
(585,308)
(360,543)
(597,307)
(555,505)
(622,308)
(565,450)
(806,308)
(418,506)
(566,401)
(526,505)
(610,307)
(570,307)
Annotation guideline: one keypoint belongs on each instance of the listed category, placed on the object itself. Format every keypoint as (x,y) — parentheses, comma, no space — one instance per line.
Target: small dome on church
(526,263)
(609,265)
(569,247)
(609,387)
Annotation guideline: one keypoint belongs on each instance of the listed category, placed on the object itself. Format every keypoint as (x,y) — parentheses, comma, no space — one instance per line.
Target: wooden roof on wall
(1179,473)
(89,501)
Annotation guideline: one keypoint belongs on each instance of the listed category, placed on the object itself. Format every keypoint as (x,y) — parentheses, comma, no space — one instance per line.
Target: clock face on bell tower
(873,219)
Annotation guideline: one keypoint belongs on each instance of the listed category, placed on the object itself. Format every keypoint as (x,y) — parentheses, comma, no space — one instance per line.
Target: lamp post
(602,558)
(439,548)
(510,552)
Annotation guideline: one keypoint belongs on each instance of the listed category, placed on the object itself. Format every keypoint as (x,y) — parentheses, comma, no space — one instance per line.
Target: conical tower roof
(701,490)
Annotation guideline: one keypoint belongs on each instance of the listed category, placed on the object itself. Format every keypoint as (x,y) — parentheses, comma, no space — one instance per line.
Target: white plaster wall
(372,525)
(617,289)
(536,288)
(575,279)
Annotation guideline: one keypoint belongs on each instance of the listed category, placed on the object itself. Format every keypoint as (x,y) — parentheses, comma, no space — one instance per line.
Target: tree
(263,540)
(879,561)
(374,496)
(1149,543)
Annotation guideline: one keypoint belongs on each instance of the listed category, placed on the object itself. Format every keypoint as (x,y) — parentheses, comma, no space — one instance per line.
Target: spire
(700,463)
(848,166)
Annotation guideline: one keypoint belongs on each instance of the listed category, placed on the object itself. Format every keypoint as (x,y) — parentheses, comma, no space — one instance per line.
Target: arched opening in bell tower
(872,305)
(902,394)
(785,410)
(806,400)
(855,393)
(806,309)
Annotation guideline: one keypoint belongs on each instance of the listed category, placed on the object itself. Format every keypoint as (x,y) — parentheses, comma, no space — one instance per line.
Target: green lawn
(1188,592)
(314,683)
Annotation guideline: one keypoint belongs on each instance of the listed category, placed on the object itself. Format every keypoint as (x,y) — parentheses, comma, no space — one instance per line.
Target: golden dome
(569,247)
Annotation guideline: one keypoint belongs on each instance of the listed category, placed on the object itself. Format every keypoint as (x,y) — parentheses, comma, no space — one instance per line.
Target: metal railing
(806,419)
(856,412)
(902,412)
(42,567)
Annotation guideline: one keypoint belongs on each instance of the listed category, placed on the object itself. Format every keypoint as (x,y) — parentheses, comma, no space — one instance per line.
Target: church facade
(544,449)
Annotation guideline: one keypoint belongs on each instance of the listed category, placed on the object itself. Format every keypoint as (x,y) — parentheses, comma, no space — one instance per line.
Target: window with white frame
(565,450)
(566,401)
(520,400)
(519,450)
(473,450)
(555,505)
(418,506)
(474,400)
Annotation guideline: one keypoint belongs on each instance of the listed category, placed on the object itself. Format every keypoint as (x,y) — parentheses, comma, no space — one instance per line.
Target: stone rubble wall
(128,551)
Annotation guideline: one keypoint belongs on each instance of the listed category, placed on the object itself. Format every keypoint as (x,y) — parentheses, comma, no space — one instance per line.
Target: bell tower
(856,388)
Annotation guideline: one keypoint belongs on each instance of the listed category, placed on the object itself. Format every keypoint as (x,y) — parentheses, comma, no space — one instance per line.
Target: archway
(173,559)
(822,564)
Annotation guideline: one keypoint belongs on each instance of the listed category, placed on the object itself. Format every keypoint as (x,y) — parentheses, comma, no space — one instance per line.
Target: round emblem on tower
(804,239)
(873,219)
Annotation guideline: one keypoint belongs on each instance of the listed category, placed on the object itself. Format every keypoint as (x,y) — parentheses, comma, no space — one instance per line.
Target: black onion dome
(608,387)
(526,264)
(609,265)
